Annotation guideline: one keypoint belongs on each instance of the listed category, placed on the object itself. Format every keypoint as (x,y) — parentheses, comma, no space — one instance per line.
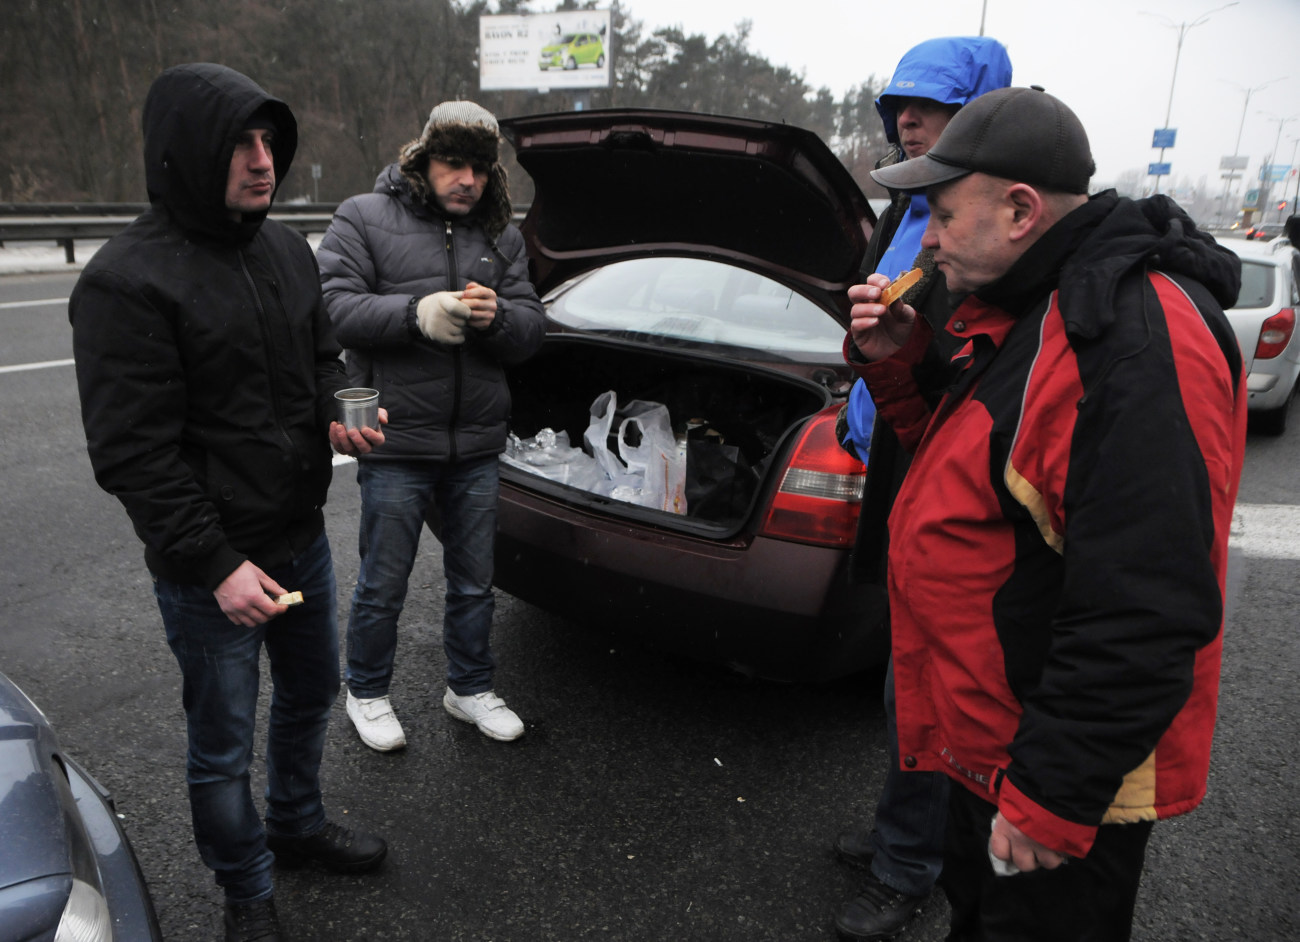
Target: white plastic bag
(596,439)
(652,472)
(550,455)
(656,459)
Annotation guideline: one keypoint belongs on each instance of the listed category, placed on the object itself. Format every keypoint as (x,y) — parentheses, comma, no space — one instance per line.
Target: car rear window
(1257,284)
(693,299)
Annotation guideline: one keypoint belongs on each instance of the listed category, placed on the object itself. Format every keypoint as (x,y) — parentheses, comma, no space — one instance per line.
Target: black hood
(1092,249)
(1151,233)
(192,118)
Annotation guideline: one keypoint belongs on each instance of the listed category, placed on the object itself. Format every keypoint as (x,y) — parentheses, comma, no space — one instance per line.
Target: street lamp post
(1295,172)
(1272,159)
(1183,29)
(1236,148)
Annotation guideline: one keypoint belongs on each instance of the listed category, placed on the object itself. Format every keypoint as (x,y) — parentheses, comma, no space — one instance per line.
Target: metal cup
(358,407)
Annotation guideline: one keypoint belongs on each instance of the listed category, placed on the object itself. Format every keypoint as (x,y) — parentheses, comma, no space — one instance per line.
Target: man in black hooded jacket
(207,370)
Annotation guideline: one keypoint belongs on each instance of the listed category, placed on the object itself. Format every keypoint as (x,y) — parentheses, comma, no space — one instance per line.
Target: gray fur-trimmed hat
(461,132)
(460,112)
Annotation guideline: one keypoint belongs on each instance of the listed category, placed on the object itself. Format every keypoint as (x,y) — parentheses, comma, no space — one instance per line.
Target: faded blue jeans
(911,818)
(219,663)
(395,496)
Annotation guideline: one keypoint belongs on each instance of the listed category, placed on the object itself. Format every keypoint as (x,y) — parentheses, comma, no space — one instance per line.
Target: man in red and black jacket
(1058,550)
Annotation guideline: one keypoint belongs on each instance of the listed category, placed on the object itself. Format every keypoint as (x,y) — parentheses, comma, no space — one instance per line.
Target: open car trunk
(739,419)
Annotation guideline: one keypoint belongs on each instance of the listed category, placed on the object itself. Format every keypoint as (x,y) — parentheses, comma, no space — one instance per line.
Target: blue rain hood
(953,70)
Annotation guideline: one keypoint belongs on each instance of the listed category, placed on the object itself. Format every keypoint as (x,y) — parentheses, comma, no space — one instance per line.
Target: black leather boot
(253,922)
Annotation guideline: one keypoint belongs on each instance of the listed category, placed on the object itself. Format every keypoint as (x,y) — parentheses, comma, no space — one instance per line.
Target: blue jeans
(911,818)
(394,498)
(219,663)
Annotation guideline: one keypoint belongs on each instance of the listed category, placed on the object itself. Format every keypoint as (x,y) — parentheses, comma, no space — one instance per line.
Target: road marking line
(35,366)
(1267,531)
(38,303)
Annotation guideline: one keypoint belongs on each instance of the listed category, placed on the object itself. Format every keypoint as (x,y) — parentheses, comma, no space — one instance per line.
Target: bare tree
(361,78)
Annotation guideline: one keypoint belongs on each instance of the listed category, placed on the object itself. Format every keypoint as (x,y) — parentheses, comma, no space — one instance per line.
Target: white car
(1265,323)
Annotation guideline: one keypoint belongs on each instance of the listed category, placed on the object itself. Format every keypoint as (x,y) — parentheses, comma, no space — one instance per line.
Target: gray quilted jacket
(383,251)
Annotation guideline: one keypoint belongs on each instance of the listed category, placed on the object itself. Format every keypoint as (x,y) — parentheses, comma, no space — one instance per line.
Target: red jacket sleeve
(893,385)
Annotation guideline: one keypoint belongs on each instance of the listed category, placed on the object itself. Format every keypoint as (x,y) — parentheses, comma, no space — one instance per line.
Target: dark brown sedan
(694,270)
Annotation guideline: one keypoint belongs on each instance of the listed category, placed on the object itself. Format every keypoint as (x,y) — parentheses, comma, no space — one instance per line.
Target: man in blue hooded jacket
(903,850)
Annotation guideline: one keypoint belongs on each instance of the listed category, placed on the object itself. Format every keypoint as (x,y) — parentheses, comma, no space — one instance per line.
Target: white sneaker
(487,711)
(376,723)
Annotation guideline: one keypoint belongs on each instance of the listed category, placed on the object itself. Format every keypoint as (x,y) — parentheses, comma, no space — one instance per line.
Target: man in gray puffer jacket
(426,282)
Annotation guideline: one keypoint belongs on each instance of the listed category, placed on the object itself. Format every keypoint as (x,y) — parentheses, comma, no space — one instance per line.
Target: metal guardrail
(65,223)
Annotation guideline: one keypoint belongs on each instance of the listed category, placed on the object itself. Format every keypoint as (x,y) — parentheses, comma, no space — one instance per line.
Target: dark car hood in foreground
(31,817)
(624,183)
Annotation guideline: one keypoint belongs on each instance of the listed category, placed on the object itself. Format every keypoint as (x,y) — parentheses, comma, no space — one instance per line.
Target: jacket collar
(1089,252)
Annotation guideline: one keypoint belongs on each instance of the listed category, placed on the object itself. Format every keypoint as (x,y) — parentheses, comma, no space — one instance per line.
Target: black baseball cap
(1021,134)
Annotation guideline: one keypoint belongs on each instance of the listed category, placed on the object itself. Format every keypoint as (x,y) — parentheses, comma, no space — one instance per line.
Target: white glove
(441,316)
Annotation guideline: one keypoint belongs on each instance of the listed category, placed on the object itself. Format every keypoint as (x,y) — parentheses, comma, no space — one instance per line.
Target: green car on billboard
(572,50)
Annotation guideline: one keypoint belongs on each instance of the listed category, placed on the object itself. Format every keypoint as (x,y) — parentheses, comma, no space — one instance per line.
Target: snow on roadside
(23,258)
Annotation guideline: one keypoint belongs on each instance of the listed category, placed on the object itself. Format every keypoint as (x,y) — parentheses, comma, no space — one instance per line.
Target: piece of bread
(290,598)
(899,286)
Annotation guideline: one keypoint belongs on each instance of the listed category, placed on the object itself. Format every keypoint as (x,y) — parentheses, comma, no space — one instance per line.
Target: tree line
(360,77)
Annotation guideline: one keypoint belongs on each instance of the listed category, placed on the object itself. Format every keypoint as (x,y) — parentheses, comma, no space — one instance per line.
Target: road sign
(1233,163)
(1164,137)
(1158,170)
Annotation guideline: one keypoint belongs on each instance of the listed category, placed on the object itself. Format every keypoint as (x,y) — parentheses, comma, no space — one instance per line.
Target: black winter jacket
(206,364)
(385,250)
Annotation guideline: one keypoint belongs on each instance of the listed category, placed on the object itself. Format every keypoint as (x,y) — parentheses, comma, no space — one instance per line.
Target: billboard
(545,51)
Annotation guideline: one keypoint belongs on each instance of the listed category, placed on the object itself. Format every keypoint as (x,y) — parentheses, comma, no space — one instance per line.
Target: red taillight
(820,495)
(1275,334)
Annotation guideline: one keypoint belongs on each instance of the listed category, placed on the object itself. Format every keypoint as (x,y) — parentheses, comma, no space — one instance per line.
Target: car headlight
(85,917)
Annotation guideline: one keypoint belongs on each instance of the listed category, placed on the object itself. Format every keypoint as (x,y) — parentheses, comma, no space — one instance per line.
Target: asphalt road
(651,799)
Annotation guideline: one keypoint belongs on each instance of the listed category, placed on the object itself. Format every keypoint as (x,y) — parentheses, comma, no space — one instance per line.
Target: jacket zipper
(271,374)
(453,280)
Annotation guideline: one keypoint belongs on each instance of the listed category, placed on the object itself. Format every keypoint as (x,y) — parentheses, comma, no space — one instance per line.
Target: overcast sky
(1107,60)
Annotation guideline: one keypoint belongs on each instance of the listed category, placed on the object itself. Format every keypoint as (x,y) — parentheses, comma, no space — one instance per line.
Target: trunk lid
(769,197)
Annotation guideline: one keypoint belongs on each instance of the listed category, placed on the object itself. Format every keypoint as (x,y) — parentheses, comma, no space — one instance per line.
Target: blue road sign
(1158,170)
(1164,137)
